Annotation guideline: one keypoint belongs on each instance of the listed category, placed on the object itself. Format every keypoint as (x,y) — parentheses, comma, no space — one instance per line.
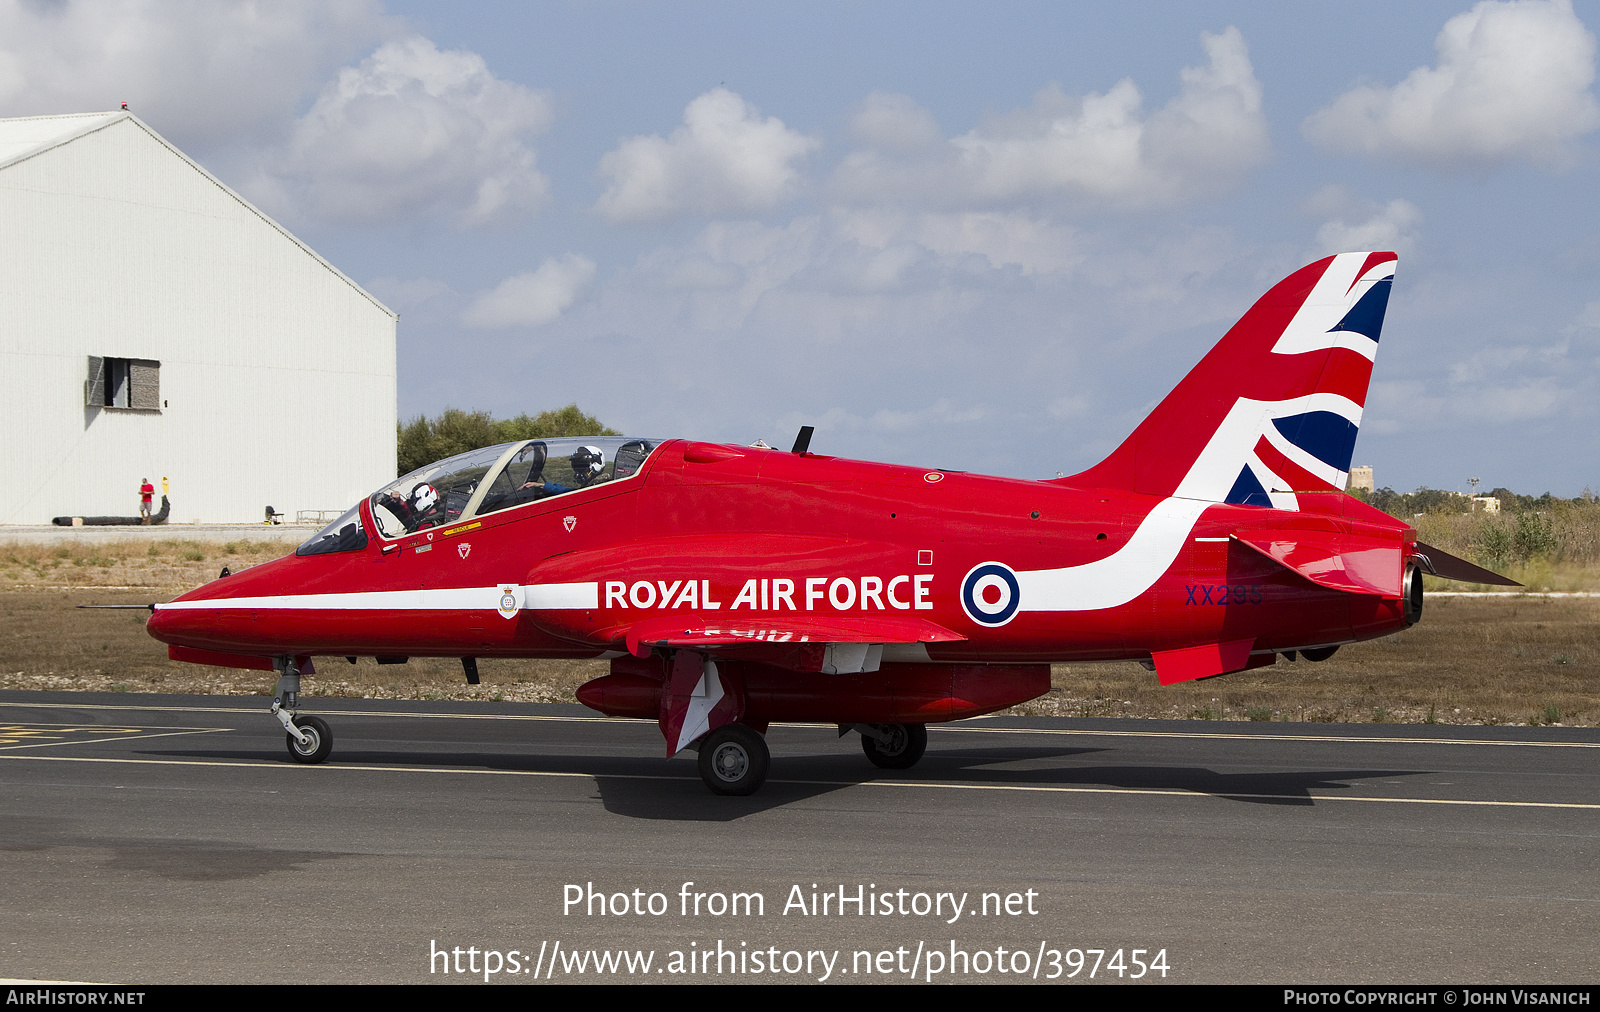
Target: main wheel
(905,746)
(319,740)
(733,760)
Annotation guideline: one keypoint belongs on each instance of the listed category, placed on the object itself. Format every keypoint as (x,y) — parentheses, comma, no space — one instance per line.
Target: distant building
(156,325)
(1361,478)
(1485,504)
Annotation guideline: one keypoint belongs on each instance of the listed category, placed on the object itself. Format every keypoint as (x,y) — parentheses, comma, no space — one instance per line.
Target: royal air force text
(811,593)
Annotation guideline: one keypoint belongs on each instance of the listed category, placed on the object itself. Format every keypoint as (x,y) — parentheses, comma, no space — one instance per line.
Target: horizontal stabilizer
(1442,564)
(1350,563)
(693,630)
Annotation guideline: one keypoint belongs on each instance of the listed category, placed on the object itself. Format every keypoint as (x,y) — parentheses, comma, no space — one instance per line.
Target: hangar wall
(277,373)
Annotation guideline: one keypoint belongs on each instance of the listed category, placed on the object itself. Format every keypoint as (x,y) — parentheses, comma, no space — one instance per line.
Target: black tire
(317,749)
(906,744)
(734,760)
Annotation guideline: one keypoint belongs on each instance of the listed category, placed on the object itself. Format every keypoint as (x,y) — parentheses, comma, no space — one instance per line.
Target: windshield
(496,478)
(343,535)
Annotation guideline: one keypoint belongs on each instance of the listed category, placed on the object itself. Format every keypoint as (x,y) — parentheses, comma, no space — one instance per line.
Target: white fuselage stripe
(539,596)
(1122,576)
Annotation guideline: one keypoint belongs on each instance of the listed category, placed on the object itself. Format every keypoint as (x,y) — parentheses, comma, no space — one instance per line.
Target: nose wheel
(734,760)
(317,740)
(317,743)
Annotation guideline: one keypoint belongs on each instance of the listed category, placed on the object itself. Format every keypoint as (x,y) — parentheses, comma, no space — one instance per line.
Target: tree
(424,440)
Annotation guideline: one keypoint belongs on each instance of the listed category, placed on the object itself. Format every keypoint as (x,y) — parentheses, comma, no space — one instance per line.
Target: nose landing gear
(308,738)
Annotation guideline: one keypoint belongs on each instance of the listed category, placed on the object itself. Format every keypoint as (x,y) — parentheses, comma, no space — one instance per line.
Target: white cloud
(1101,148)
(1503,362)
(1588,319)
(410,130)
(846,274)
(1511,82)
(1069,407)
(1355,223)
(1538,397)
(405,295)
(202,73)
(534,298)
(895,123)
(415,130)
(1003,238)
(942,413)
(1497,384)
(725,159)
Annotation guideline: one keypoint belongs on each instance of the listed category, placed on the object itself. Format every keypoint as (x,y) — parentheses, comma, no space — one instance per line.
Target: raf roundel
(990,594)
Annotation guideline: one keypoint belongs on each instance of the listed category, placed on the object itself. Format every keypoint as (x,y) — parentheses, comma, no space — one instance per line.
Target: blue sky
(986,238)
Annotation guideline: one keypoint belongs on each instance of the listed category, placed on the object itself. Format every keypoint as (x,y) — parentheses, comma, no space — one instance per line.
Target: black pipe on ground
(158,518)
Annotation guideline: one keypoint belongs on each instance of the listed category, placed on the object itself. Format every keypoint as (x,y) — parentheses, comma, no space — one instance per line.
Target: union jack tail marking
(1275,407)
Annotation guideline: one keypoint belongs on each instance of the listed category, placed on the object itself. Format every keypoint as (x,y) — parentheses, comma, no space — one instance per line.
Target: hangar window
(133,383)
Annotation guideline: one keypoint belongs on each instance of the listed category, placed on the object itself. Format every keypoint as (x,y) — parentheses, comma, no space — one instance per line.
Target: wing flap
(1352,563)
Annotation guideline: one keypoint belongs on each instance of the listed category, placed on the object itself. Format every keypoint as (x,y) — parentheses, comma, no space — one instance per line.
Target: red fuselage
(726,537)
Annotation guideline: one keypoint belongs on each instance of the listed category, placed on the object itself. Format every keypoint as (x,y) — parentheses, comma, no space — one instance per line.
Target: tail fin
(1274,408)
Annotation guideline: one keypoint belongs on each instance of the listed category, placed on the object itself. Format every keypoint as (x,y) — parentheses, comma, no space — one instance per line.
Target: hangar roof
(21,138)
(30,136)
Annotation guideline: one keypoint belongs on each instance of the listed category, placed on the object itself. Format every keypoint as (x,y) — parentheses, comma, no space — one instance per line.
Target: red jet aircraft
(733,586)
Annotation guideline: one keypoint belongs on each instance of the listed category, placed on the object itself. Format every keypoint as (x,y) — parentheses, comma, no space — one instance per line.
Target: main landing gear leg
(308,738)
(891,746)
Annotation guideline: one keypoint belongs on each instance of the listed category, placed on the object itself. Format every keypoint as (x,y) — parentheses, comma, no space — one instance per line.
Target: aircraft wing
(833,633)
(1352,563)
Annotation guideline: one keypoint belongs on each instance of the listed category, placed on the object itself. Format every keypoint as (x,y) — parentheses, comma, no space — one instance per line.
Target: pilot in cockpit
(415,510)
(423,508)
(587,463)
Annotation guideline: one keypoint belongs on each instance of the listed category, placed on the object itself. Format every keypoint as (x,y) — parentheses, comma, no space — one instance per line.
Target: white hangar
(153,324)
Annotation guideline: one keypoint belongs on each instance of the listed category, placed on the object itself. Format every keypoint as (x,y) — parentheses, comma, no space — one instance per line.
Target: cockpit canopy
(484,481)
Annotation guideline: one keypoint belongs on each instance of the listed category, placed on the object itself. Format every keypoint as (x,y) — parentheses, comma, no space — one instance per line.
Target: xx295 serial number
(1222,593)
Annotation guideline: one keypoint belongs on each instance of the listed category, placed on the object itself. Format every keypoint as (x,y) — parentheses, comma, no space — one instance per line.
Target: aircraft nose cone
(169,625)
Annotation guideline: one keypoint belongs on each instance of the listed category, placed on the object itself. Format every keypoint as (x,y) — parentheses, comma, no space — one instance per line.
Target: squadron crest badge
(510,600)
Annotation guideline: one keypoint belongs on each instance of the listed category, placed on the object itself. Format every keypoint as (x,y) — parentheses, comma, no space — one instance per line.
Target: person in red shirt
(147,491)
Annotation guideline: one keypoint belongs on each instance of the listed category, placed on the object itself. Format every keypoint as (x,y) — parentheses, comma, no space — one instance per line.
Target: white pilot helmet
(424,497)
(587,461)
